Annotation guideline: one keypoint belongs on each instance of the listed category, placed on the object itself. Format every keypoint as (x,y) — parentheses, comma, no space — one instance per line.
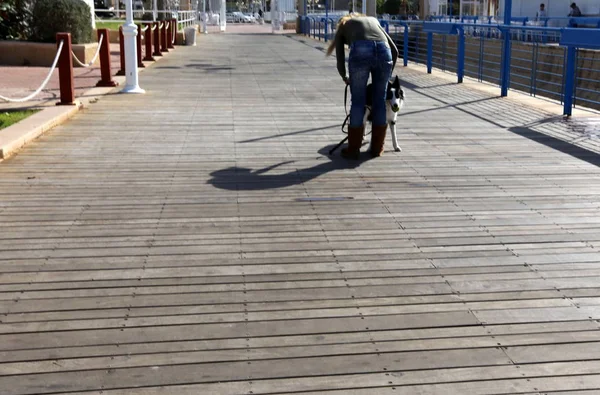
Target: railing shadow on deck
(487,108)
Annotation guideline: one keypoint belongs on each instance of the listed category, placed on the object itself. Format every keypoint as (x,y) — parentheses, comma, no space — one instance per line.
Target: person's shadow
(241,178)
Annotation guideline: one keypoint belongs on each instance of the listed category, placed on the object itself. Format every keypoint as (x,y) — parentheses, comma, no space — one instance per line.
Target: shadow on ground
(558,145)
(244,179)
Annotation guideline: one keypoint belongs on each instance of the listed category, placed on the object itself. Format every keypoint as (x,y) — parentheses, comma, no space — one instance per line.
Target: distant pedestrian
(575,11)
(541,13)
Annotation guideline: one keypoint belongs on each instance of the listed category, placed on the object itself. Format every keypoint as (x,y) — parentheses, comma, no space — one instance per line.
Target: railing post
(506,55)
(121,51)
(429,52)
(148,42)
(163,37)
(170,34)
(460,69)
(156,39)
(569,80)
(405,49)
(65,70)
(325,32)
(138,40)
(106,76)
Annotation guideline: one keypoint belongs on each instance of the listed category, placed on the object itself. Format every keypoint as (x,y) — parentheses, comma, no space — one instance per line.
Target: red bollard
(170,31)
(156,39)
(163,37)
(148,43)
(65,70)
(176,29)
(138,39)
(105,60)
(121,51)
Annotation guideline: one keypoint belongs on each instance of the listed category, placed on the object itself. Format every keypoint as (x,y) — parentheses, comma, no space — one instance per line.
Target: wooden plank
(222,250)
(180,374)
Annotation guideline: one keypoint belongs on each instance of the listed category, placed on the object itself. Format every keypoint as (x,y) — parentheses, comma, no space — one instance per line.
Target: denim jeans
(369,58)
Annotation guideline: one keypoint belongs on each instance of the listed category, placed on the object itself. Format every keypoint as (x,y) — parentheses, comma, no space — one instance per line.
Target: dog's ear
(396,83)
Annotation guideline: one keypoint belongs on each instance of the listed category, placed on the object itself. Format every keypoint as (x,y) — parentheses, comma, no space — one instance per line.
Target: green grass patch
(12,117)
(111,25)
(114,24)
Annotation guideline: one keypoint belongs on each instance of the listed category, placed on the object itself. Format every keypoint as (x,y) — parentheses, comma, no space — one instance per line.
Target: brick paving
(18,82)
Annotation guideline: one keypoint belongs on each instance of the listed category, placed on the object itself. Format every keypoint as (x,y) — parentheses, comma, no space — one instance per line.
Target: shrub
(148,16)
(15,18)
(61,16)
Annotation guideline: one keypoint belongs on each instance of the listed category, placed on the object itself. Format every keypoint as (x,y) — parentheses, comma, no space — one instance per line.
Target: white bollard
(131,66)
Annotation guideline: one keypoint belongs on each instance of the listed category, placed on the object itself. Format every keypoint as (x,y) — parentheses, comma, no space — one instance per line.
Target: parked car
(243,18)
(100,7)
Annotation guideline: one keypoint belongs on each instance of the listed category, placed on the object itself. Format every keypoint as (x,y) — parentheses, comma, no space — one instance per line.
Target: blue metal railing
(535,63)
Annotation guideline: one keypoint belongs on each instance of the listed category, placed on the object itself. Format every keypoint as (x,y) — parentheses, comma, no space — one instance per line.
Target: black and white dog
(394,101)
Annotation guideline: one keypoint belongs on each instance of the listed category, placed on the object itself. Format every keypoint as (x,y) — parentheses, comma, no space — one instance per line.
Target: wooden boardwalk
(197,240)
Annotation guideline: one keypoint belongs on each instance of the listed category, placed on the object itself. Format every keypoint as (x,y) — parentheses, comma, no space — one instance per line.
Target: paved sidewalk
(198,240)
(17,82)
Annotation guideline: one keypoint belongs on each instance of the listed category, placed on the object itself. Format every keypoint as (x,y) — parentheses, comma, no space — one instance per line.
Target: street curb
(17,136)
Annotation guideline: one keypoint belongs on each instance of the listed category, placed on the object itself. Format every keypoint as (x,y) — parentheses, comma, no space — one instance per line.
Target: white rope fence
(87,65)
(34,94)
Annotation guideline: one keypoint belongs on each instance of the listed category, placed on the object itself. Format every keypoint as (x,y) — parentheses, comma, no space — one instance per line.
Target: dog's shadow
(241,178)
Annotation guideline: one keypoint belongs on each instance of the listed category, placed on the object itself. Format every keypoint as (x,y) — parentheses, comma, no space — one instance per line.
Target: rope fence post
(138,39)
(163,37)
(65,71)
(156,30)
(170,29)
(148,43)
(121,51)
(106,77)
(175,30)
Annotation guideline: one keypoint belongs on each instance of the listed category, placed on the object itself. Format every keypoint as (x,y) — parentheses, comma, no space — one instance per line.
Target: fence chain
(24,99)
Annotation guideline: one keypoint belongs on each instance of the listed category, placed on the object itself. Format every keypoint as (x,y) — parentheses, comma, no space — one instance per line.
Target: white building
(520,8)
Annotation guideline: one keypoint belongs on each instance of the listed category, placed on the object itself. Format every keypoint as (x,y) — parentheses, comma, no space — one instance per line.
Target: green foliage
(398,7)
(148,16)
(12,117)
(15,17)
(61,16)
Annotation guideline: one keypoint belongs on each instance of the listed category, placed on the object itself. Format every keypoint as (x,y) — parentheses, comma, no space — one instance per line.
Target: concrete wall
(555,8)
(24,53)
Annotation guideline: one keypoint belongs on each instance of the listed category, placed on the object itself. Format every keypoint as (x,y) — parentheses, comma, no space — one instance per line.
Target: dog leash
(346,108)
(331,151)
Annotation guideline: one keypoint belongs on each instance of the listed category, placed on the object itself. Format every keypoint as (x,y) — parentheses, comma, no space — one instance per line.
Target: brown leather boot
(355,138)
(378,140)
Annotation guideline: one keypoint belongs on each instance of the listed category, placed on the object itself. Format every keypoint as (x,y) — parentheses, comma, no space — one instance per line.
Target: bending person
(372,52)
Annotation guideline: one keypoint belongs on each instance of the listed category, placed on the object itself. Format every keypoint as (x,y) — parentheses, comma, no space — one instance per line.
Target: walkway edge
(18,135)
(15,137)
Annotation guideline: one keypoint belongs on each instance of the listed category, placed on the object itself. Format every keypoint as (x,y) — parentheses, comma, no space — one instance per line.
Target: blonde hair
(341,23)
